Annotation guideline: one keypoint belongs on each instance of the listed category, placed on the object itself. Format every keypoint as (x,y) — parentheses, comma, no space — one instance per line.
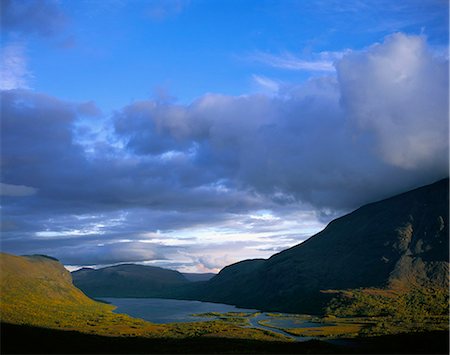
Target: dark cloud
(39,150)
(379,127)
(41,17)
(88,189)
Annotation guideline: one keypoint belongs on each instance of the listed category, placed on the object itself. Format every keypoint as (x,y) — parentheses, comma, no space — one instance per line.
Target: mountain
(195,277)
(398,242)
(127,280)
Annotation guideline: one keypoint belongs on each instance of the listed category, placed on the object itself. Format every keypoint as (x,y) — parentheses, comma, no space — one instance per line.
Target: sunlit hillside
(38,291)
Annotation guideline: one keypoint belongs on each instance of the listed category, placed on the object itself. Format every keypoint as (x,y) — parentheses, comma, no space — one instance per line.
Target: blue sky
(194,134)
(119,51)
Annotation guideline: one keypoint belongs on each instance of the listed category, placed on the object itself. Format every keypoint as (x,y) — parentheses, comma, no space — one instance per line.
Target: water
(254,322)
(158,310)
(162,311)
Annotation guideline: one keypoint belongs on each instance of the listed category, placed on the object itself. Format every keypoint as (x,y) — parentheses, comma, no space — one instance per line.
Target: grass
(392,311)
(337,329)
(333,331)
(38,291)
(235,318)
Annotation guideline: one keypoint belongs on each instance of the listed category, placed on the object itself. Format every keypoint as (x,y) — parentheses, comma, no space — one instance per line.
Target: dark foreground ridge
(17,339)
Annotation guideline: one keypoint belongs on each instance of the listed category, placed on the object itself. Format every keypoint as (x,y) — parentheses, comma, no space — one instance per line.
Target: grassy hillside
(38,291)
(392,243)
(393,311)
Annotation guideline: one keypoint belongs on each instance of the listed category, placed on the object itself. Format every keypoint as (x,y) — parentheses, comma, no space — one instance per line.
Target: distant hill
(196,277)
(399,242)
(127,280)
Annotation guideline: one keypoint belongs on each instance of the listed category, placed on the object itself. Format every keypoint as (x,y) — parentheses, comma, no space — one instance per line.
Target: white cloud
(335,141)
(397,91)
(266,83)
(14,73)
(289,61)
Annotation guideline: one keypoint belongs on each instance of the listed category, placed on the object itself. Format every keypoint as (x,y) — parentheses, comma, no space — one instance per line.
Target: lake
(158,310)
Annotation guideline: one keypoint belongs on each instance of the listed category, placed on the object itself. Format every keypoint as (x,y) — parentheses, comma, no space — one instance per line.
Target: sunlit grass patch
(338,330)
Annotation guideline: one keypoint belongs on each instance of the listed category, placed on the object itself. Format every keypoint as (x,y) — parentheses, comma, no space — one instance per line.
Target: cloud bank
(161,182)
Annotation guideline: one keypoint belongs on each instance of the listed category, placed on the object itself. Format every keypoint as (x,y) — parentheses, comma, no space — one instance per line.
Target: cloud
(401,100)
(14,73)
(288,61)
(16,190)
(329,142)
(41,17)
(232,177)
(266,83)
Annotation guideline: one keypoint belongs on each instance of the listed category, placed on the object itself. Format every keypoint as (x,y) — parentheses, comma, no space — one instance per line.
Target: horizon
(71,268)
(191,135)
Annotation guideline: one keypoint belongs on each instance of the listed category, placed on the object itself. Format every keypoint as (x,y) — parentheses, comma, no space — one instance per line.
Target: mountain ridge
(396,242)
(127,280)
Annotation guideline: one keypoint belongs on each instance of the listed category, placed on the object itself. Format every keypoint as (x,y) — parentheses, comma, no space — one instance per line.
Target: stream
(263,316)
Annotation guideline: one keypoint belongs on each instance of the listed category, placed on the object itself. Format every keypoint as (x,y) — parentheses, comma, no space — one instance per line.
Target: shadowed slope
(127,280)
(398,242)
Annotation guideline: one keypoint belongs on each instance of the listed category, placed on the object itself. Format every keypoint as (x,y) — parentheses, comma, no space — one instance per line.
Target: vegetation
(332,331)
(236,318)
(390,311)
(329,327)
(38,291)
(227,314)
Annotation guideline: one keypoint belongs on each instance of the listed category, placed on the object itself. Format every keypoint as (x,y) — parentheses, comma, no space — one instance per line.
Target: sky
(194,134)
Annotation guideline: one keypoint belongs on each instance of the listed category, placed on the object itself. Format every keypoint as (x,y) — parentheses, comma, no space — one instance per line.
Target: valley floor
(18,339)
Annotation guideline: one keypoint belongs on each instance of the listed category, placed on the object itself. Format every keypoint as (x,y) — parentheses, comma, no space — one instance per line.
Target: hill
(400,242)
(35,282)
(196,277)
(38,291)
(127,280)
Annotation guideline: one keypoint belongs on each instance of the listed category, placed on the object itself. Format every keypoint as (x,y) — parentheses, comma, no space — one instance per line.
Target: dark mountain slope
(195,277)
(397,242)
(127,280)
